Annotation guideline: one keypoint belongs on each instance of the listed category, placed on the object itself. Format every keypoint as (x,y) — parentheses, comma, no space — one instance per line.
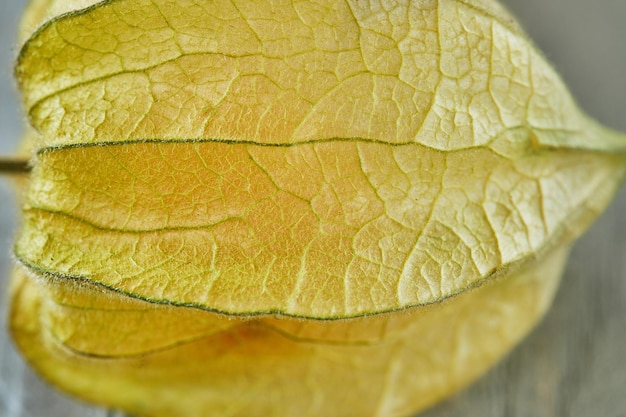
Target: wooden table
(573,364)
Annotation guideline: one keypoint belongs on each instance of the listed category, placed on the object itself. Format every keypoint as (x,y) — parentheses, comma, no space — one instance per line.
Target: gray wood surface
(572,365)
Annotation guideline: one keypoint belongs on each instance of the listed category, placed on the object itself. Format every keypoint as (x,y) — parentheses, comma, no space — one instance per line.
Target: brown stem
(12,165)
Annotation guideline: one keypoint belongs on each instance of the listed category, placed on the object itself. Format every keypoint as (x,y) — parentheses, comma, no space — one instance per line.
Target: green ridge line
(356,140)
(195,339)
(237,142)
(496,273)
(247,142)
(96,226)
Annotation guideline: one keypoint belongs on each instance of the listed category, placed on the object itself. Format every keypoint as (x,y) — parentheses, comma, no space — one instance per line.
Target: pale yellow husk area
(281,208)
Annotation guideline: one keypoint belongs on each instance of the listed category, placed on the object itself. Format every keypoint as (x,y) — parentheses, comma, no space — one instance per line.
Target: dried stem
(13,165)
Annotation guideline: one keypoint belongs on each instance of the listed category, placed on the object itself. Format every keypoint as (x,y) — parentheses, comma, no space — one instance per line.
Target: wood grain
(572,365)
